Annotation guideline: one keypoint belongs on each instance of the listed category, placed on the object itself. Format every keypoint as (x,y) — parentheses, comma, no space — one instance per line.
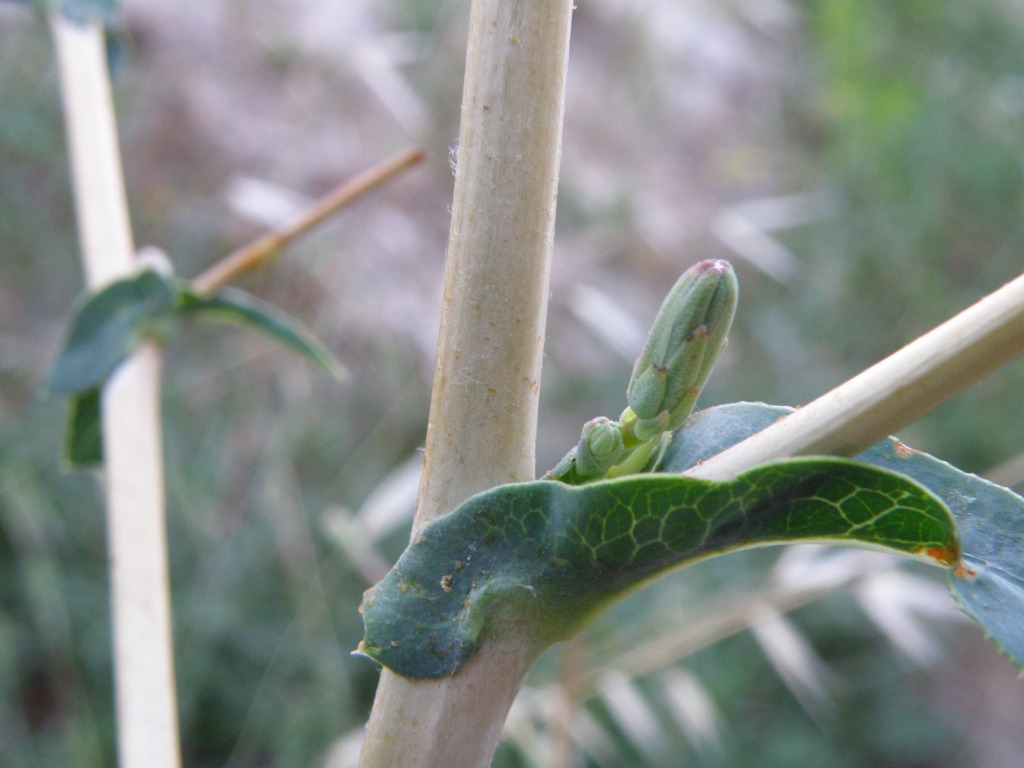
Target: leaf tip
(364,651)
(902,450)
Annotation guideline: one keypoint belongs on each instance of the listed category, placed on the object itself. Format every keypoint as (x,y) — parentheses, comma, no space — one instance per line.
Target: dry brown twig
(258,252)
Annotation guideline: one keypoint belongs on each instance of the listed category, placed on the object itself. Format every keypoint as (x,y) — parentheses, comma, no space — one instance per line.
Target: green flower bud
(686,339)
(600,447)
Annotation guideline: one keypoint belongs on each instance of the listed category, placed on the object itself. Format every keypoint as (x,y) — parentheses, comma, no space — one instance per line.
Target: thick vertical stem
(147,716)
(483,411)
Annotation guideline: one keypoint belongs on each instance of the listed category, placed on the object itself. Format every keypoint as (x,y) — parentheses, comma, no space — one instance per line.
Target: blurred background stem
(483,413)
(147,718)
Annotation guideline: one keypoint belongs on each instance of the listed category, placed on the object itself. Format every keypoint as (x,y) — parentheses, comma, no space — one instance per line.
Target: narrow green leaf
(234,306)
(84,447)
(537,560)
(107,327)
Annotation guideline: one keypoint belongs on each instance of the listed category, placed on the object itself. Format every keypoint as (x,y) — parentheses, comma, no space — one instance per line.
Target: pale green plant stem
(892,393)
(483,414)
(147,717)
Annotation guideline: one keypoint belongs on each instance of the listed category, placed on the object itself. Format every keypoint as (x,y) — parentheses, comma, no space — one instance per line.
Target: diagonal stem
(892,393)
(250,256)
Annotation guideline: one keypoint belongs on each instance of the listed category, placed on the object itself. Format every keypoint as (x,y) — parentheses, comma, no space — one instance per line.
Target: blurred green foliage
(912,117)
(905,115)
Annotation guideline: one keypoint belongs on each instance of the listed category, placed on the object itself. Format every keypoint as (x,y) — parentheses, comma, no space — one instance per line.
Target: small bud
(686,339)
(600,447)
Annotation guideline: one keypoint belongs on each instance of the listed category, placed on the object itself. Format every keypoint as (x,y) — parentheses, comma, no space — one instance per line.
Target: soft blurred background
(861,164)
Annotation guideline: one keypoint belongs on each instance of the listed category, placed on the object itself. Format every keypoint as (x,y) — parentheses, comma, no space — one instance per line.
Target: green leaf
(107,327)
(988,583)
(84,447)
(234,306)
(533,562)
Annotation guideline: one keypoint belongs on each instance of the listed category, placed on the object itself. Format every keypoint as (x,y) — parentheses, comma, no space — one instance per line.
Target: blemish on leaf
(446,582)
(963,572)
(941,555)
(902,450)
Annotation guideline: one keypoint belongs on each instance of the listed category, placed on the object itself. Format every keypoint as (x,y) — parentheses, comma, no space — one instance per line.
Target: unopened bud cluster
(685,341)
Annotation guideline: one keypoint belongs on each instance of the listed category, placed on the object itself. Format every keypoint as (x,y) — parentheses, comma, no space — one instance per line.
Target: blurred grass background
(859,162)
